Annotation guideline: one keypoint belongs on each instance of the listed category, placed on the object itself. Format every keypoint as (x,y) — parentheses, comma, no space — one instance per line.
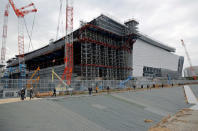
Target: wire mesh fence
(45,85)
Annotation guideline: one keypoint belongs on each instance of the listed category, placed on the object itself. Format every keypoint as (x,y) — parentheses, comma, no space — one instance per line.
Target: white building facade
(149,53)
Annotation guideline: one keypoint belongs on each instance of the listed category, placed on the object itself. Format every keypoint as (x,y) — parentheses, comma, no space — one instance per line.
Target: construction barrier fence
(12,86)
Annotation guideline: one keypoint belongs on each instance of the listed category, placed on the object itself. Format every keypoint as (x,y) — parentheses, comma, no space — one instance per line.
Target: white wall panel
(145,54)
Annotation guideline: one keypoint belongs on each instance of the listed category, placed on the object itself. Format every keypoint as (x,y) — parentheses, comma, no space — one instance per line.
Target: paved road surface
(115,112)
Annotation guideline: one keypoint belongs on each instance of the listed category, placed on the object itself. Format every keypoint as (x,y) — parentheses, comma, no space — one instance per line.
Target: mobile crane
(189,60)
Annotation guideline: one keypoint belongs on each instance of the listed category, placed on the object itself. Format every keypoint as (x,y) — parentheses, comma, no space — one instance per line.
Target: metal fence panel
(45,85)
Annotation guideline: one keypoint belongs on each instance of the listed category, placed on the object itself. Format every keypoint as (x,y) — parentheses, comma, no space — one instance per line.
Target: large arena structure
(104,49)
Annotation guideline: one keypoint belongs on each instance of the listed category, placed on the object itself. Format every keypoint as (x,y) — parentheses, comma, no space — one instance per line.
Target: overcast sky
(167,21)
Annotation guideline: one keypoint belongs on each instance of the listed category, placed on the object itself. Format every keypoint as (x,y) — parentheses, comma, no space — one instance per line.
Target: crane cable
(32,28)
(32,32)
(59,18)
(29,34)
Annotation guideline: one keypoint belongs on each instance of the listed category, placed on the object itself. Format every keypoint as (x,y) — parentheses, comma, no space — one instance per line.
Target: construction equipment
(4,36)
(189,60)
(32,81)
(49,93)
(122,84)
(68,43)
(54,73)
(20,13)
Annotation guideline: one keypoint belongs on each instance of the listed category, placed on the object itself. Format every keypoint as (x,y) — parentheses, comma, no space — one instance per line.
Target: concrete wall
(145,54)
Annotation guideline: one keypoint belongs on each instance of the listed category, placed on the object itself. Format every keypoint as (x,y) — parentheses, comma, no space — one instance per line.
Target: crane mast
(68,43)
(4,36)
(189,60)
(20,13)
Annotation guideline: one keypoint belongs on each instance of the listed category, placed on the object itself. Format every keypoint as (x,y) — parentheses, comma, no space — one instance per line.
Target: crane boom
(13,7)
(4,36)
(31,81)
(189,60)
(20,13)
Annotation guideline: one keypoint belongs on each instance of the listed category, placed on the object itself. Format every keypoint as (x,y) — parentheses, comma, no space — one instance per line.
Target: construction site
(103,55)
(99,50)
(100,53)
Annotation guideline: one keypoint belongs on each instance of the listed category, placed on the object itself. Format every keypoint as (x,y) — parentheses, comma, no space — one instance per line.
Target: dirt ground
(184,120)
(11,100)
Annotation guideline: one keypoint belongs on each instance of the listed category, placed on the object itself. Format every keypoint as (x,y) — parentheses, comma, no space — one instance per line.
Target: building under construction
(102,50)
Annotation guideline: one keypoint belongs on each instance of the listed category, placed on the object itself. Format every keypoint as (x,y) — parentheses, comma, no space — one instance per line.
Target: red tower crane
(189,60)
(20,13)
(4,36)
(68,43)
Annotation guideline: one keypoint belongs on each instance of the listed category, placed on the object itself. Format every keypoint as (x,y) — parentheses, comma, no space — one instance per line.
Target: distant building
(188,72)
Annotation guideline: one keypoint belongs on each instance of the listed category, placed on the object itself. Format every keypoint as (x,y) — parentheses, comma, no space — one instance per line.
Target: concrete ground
(117,111)
(194,89)
(185,119)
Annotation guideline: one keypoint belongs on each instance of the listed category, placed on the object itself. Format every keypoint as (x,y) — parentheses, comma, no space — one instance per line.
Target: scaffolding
(104,54)
(102,50)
